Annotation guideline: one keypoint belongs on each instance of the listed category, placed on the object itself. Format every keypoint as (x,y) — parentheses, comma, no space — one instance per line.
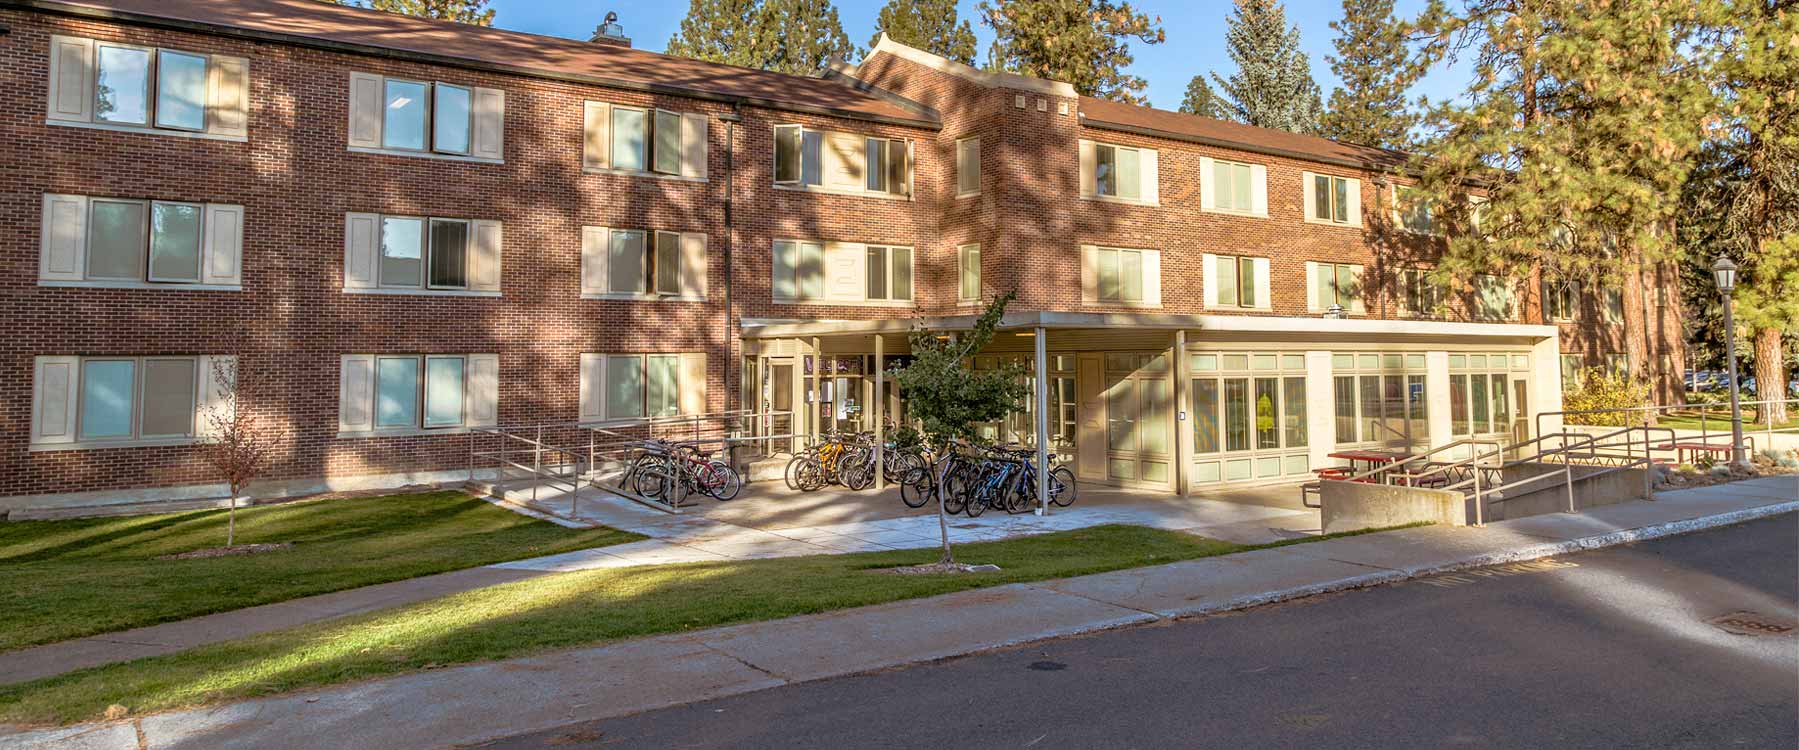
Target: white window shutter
(228,96)
(593,259)
(1089,273)
(214,397)
(846,272)
(1150,176)
(1089,188)
(485,266)
(693,145)
(692,384)
(365,110)
(1312,289)
(362,235)
(593,387)
(693,264)
(1152,278)
(481,393)
(1209,277)
(1308,188)
(1355,202)
(1258,189)
(223,249)
(1208,189)
(71,79)
(596,141)
(356,394)
(56,381)
(63,238)
(489,136)
(1356,305)
(1264,289)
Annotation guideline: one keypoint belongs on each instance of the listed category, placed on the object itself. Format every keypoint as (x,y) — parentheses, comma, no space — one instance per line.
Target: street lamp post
(1725,273)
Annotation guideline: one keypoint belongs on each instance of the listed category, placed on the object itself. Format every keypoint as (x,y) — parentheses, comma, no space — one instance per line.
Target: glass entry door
(1139,425)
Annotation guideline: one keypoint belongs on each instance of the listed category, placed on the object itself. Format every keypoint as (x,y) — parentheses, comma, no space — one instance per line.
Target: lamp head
(1725,273)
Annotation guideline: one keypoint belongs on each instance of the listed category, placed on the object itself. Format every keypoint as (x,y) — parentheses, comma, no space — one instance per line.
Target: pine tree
(1201,100)
(462,11)
(1082,42)
(1273,86)
(1376,70)
(929,25)
(786,36)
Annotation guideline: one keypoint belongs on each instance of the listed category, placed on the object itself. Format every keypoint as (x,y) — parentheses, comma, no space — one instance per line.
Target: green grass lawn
(571,609)
(66,579)
(1721,422)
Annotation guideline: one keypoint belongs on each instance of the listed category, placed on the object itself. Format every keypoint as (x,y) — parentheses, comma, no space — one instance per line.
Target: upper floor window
(636,386)
(416,253)
(968,166)
(644,140)
(413,392)
(1236,282)
(842,162)
(134,242)
(1123,173)
(1418,295)
(1333,200)
(633,263)
(968,262)
(842,273)
(408,116)
(127,86)
(1329,284)
(1561,300)
(1122,276)
(1414,210)
(103,401)
(1614,304)
(1492,297)
(1233,187)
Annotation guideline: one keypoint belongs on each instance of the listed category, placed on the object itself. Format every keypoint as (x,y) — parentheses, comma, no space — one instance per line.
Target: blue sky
(1195,34)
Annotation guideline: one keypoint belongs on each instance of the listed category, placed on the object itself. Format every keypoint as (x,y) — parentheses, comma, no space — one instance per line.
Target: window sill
(148,130)
(1348,313)
(641,173)
(175,287)
(1324,223)
(907,304)
(642,297)
(975,194)
(408,432)
(403,292)
(1234,212)
(88,445)
(843,191)
(1117,303)
(1239,308)
(423,155)
(1120,201)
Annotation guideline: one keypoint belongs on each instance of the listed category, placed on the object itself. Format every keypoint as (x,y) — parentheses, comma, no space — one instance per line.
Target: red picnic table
(1360,460)
(1683,450)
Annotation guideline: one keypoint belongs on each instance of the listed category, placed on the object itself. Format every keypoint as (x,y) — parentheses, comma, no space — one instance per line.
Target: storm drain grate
(1745,622)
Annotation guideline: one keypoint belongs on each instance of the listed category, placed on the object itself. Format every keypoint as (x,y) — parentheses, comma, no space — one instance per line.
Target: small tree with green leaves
(951,400)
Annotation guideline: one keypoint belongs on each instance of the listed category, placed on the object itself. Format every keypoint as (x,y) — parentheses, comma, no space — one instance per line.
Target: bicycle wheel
(652,478)
(812,475)
(1061,486)
(856,477)
(901,463)
(791,473)
(915,488)
(953,493)
(726,482)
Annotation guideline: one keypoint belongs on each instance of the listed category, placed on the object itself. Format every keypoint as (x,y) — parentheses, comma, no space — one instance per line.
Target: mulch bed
(236,549)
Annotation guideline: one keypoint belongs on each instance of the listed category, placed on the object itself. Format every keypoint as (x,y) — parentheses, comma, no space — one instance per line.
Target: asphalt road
(1608,649)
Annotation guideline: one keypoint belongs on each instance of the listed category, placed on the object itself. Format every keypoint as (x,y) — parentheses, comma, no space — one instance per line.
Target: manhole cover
(1752,623)
(1048,666)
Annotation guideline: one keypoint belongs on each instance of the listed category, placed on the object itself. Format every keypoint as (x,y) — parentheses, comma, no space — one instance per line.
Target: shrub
(1599,390)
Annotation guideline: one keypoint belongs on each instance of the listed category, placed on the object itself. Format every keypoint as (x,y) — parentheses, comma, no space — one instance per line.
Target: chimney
(610,32)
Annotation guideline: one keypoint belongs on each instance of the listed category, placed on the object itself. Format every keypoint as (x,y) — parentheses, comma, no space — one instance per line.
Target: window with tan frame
(121,86)
(114,242)
(642,264)
(413,117)
(641,385)
(417,393)
(1236,282)
(84,402)
(838,162)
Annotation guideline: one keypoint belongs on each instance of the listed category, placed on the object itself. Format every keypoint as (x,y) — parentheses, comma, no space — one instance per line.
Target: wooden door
(1090,444)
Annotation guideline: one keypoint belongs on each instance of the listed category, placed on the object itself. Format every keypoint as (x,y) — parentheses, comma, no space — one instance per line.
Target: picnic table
(1361,460)
(1684,449)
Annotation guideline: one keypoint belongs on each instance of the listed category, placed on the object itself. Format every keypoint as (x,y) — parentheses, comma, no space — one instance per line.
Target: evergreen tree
(1082,42)
(929,25)
(1376,69)
(462,11)
(1201,100)
(787,36)
(1273,86)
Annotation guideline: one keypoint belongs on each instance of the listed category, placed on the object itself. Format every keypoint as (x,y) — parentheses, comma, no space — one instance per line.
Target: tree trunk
(1770,375)
(942,517)
(231,519)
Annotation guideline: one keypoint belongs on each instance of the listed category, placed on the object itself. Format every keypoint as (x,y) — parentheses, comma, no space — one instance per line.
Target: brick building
(403,230)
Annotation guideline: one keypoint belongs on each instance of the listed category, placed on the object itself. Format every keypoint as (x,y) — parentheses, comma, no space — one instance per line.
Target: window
(646,140)
(421,253)
(428,118)
(1118,171)
(969,261)
(1492,297)
(1481,390)
(1561,301)
(1380,398)
(638,386)
(1414,210)
(106,400)
(1421,296)
(667,148)
(1335,284)
(1122,276)
(889,273)
(968,166)
(642,263)
(417,392)
(1233,185)
(1331,199)
(1251,408)
(1235,281)
(1573,365)
(842,162)
(1614,304)
(126,86)
(114,241)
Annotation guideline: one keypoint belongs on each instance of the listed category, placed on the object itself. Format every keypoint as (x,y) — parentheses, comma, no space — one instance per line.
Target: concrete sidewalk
(471,704)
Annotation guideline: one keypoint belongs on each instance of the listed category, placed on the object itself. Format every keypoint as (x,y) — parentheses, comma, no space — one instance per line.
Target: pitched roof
(1101,113)
(326,24)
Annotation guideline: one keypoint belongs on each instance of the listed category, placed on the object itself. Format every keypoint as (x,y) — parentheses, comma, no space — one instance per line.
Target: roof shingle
(1221,131)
